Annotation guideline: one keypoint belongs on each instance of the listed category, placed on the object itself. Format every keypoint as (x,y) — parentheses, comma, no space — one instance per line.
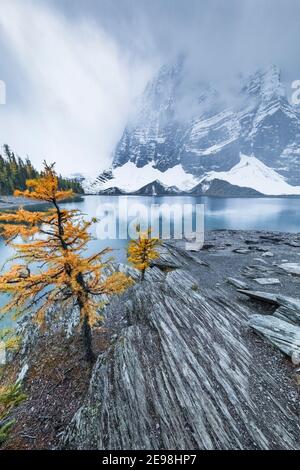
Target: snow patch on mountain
(252,173)
(130,178)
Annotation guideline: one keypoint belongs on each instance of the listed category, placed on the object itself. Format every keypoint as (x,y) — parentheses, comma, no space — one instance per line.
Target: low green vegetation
(10,397)
(9,340)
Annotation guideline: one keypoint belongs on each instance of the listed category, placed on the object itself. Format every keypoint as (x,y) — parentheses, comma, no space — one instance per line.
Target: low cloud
(70,90)
(72,68)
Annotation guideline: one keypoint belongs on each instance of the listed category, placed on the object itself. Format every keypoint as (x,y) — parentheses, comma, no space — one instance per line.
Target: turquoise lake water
(276,214)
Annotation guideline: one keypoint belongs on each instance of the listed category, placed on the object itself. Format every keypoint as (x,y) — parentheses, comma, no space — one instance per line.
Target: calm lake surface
(277,214)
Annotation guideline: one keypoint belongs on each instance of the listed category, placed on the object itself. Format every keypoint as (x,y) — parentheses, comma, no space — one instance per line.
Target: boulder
(237,283)
(268,254)
(262,296)
(280,333)
(289,309)
(266,281)
(241,251)
(291,268)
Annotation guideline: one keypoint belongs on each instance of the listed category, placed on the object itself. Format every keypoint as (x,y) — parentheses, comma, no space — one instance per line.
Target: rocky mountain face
(206,132)
(219,188)
(156,188)
(154,133)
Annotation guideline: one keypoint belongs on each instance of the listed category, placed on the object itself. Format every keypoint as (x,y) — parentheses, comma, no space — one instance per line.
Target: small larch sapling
(143,250)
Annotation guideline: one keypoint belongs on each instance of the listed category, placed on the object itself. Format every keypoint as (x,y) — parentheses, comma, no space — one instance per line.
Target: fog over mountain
(74,70)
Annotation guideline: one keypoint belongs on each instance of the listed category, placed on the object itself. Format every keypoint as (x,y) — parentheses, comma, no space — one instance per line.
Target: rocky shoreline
(12,202)
(203,355)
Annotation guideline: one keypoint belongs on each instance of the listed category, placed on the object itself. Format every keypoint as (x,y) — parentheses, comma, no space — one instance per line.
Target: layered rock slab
(181,375)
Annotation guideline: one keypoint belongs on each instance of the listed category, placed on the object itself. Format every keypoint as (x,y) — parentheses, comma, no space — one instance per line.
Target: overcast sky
(73,67)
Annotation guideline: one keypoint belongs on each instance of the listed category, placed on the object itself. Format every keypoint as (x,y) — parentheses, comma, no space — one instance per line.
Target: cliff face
(182,133)
(154,132)
(201,130)
(184,370)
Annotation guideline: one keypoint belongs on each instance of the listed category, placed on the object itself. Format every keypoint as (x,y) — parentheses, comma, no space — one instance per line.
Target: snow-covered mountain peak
(264,83)
(179,123)
(252,173)
(130,178)
(271,83)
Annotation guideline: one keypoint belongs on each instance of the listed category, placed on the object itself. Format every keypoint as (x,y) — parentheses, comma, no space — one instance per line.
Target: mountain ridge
(249,177)
(259,122)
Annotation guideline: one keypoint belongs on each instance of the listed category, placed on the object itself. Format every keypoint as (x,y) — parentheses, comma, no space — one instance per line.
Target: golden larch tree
(51,266)
(143,250)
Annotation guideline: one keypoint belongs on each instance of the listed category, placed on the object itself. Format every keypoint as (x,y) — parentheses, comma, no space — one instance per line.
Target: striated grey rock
(271,239)
(267,281)
(289,309)
(289,302)
(23,373)
(260,260)
(294,244)
(181,375)
(268,254)
(262,296)
(282,328)
(291,268)
(288,314)
(241,251)
(280,333)
(237,283)
(164,265)
(184,369)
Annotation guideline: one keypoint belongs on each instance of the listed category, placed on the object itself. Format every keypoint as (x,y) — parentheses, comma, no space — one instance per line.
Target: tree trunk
(143,275)
(87,340)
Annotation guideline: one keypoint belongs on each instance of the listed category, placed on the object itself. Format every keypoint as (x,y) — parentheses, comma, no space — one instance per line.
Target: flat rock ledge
(282,334)
(282,329)
(186,371)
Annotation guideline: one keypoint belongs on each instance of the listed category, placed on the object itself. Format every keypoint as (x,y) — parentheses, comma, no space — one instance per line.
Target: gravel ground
(218,253)
(223,262)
